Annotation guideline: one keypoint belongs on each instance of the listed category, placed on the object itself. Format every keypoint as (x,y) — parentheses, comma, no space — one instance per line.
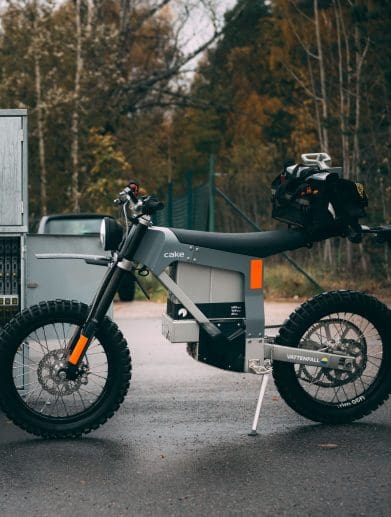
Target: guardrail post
(169,204)
(189,181)
(211,226)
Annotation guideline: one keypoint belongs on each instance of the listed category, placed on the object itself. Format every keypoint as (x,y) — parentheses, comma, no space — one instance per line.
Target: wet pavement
(179,446)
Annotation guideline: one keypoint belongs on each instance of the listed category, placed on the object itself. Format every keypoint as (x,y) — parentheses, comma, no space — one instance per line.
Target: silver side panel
(66,278)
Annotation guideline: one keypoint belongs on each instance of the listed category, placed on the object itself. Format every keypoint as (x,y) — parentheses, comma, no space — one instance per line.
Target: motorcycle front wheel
(34,394)
(346,323)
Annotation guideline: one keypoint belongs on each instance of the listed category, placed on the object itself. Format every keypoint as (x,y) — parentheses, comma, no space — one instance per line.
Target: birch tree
(75,192)
(36,52)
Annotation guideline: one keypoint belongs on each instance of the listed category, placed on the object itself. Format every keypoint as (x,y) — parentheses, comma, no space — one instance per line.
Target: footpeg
(255,366)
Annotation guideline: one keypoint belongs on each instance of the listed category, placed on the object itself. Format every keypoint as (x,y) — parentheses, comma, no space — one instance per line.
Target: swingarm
(307,357)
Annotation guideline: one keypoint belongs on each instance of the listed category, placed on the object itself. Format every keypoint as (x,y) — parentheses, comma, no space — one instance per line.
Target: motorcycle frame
(157,248)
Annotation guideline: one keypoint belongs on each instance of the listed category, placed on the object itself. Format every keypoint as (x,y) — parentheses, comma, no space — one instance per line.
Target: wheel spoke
(96,375)
(36,368)
(81,398)
(343,333)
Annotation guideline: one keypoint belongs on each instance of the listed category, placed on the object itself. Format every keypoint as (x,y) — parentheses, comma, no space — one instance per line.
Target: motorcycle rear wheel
(344,322)
(32,393)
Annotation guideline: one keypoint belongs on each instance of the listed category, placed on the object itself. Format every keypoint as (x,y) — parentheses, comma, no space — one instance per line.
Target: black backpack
(319,200)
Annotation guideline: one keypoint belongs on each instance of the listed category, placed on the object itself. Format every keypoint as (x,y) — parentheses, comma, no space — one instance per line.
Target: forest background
(112,93)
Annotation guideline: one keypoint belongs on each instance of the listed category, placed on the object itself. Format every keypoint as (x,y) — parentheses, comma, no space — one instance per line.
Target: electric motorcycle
(65,367)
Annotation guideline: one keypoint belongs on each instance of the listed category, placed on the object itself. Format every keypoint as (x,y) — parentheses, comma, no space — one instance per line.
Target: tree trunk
(344,107)
(322,74)
(90,11)
(359,60)
(40,109)
(349,257)
(124,16)
(324,143)
(343,98)
(313,87)
(76,114)
(41,138)
(384,210)
(363,258)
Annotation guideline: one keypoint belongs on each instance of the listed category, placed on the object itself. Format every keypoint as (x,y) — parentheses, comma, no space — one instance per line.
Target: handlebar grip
(128,192)
(152,205)
(98,261)
(382,232)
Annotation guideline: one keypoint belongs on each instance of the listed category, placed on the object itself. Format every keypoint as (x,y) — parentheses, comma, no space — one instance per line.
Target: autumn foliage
(109,94)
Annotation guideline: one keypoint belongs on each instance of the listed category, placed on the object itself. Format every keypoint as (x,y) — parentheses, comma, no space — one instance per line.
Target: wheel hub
(354,347)
(52,374)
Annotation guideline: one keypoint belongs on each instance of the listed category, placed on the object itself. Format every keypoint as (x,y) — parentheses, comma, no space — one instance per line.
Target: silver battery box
(218,293)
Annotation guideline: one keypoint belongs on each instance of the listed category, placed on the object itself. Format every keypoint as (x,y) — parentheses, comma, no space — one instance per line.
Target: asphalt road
(179,446)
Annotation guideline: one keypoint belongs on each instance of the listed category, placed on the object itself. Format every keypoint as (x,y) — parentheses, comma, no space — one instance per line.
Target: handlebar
(125,196)
(151,205)
(382,232)
(138,206)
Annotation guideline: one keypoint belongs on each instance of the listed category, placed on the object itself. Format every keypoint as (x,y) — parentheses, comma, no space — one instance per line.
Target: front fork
(80,341)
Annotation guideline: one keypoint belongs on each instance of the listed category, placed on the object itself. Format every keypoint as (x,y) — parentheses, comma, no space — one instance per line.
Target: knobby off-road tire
(340,320)
(31,352)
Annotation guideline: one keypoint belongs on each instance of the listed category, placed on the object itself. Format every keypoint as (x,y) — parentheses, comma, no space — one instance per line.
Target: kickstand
(265,378)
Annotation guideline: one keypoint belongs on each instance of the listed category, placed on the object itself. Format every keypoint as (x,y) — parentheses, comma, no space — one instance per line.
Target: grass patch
(283,281)
(154,288)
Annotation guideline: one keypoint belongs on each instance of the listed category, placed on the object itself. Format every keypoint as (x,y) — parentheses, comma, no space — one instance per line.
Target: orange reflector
(256,274)
(78,350)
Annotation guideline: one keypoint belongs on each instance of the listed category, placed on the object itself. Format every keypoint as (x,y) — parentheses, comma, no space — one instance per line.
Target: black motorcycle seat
(254,244)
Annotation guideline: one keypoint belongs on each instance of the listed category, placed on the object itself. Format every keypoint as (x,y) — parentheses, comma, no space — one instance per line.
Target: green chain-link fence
(194,210)
(189,210)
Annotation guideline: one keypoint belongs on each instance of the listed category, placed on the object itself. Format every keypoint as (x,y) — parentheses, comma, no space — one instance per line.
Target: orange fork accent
(78,350)
(256,274)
